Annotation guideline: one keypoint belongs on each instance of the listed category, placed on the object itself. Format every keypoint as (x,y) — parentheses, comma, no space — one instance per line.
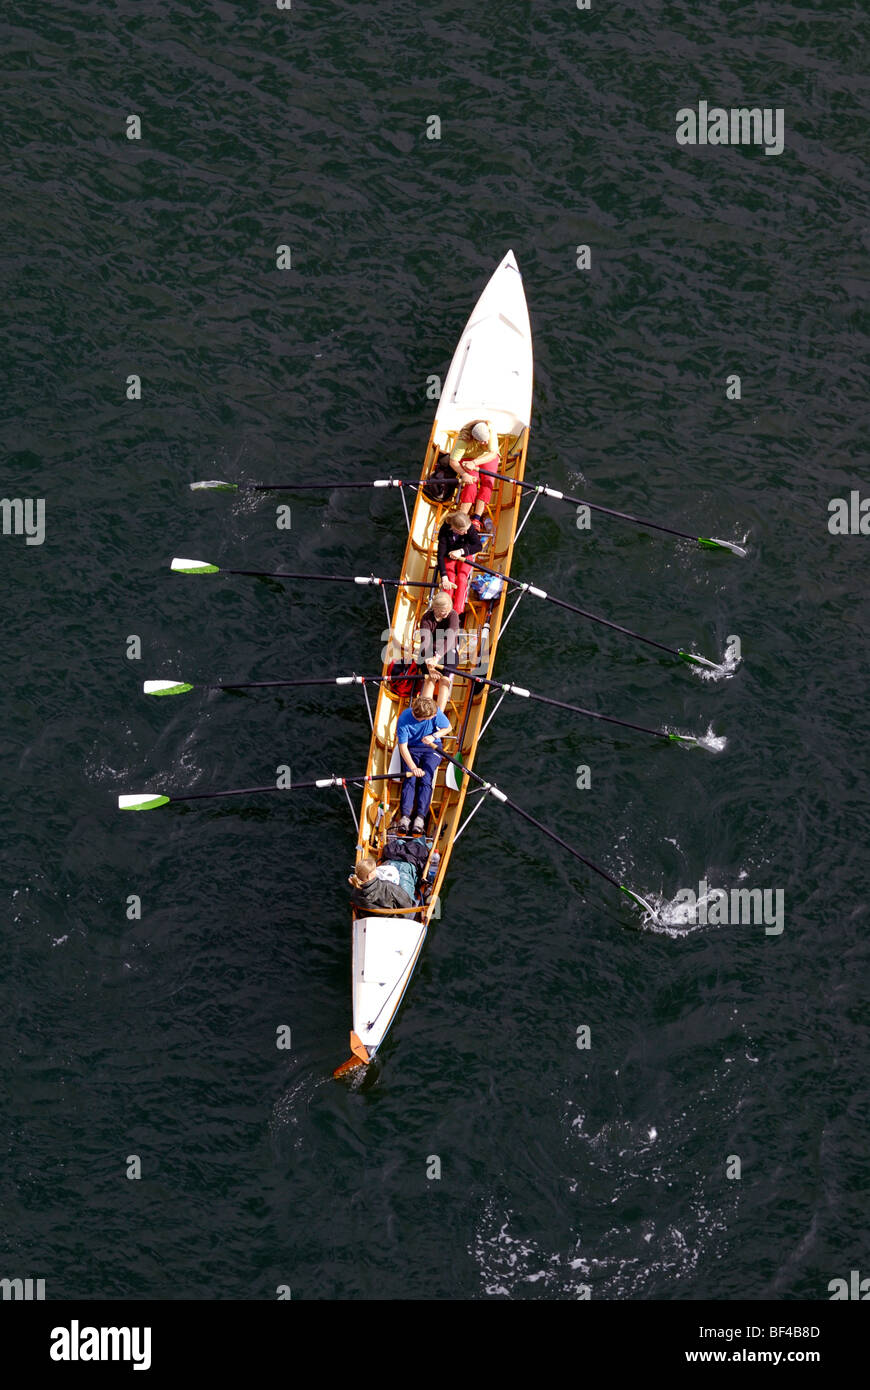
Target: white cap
(481,432)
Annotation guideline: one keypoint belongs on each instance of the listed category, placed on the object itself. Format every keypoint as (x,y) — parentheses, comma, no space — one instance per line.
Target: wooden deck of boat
(467,707)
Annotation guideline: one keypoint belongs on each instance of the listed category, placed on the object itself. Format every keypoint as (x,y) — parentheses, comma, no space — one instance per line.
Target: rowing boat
(490,377)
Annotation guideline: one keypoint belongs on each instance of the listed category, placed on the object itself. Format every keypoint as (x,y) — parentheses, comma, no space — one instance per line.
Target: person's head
(458,521)
(442,604)
(423,707)
(480,432)
(365,870)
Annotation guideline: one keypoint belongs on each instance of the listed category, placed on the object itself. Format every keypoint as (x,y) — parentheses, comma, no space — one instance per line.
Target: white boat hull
(490,376)
(385,951)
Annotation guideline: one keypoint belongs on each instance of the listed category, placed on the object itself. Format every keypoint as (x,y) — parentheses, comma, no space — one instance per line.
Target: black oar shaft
(605,622)
(333,578)
(573,608)
(596,868)
(319,487)
(507,686)
(294,787)
(594,506)
(575,709)
(318,680)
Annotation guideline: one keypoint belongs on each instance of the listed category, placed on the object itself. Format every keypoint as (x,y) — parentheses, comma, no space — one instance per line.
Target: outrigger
(490,378)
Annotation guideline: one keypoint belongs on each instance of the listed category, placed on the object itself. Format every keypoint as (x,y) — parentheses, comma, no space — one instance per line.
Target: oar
(147,801)
(710,542)
(217,485)
(182,566)
(174,687)
(578,709)
(177,687)
(594,618)
(493,790)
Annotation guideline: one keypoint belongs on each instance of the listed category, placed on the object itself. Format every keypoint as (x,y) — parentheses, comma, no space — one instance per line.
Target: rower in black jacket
(457,539)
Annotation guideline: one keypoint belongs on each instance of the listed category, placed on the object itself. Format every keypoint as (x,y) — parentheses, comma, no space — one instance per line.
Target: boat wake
(511,1267)
(640,1220)
(285,1124)
(514,1267)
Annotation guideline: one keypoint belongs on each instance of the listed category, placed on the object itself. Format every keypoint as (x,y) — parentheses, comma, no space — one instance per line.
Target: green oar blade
(641,902)
(141,801)
(698,660)
(214,485)
(166,687)
(713,543)
(453,775)
(182,566)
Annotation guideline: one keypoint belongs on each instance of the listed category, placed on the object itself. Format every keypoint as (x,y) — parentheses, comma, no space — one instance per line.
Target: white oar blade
(141,801)
(453,777)
(166,687)
(214,485)
(182,566)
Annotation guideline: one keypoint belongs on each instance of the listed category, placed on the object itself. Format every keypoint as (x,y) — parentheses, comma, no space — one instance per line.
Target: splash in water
(725,669)
(714,743)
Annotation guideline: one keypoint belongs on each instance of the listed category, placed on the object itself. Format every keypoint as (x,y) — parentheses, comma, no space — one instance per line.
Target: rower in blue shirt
(419,730)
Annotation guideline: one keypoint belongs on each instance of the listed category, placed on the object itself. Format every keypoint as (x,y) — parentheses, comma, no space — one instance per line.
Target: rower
(372,890)
(419,730)
(474,456)
(436,636)
(457,538)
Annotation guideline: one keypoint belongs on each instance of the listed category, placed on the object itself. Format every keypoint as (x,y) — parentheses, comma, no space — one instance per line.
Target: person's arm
(399,896)
(442,727)
(423,642)
(412,767)
(457,459)
(473,541)
(442,556)
(442,547)
(450,641)
(494,452)
(451,636)
(404,754)
(457,453)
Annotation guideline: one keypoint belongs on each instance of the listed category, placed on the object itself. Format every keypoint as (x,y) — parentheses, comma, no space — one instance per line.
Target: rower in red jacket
(457,539)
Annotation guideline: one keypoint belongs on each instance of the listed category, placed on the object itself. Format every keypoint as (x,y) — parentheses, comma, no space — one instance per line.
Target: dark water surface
(560,1167)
